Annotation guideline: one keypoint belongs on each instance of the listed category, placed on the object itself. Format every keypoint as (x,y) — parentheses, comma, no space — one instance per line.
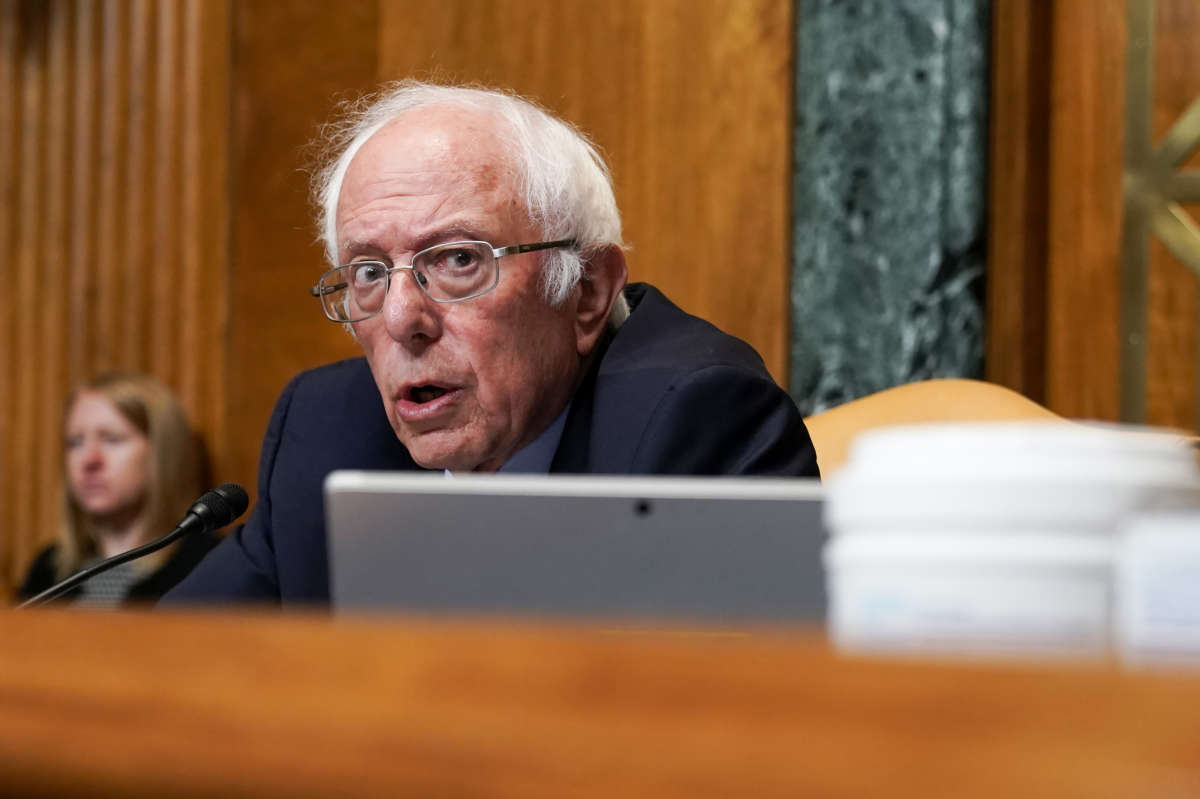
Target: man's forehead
(443,132)
(433,150)
(434,172)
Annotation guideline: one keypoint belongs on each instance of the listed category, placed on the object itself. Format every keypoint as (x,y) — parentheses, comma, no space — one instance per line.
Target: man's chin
(460,465)
(453,454)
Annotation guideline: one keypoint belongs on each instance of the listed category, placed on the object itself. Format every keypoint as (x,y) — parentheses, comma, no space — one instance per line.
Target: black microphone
(212,511)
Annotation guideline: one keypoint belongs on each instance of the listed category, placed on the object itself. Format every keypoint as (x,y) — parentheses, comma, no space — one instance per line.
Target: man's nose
(409,315)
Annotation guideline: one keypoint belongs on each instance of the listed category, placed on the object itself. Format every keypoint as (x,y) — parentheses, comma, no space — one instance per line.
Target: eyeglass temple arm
(517,249)
(321,291)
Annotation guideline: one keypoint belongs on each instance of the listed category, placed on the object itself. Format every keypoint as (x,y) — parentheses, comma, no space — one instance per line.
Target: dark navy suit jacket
(667,394)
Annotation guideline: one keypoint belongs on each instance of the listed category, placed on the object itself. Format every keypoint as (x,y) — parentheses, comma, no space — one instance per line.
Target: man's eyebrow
(465,230)
(354,246)
(456,231)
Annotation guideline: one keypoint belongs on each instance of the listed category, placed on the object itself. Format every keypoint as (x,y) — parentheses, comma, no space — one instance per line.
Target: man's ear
(605,274)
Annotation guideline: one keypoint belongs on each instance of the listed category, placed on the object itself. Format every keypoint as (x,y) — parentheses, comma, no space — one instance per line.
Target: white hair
(566,185)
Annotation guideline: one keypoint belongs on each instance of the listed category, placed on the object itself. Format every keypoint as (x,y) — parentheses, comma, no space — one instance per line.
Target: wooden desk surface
(226,706)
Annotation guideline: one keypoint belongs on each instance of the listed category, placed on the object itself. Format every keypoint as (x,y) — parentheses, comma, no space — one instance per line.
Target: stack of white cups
(991,538)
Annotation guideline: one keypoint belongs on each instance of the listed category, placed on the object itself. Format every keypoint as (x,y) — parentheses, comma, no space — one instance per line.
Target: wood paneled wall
(1062,165)
(691,103)
(113,227)
(293,59)
(1019,197)
(151,164)
(698,144)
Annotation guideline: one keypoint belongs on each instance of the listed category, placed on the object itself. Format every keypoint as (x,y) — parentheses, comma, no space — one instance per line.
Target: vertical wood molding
(52,268)
(28,420)
(84,188)
(1086,146)
(113,112)
(10,45)
(131,304)
(103,272)
(1019,122)
(204,227)
(162,284)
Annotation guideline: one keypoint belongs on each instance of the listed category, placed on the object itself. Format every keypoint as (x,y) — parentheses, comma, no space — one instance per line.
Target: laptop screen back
(705,549)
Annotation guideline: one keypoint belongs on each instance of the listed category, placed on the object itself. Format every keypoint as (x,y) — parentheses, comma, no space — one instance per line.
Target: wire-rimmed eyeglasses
(459,270)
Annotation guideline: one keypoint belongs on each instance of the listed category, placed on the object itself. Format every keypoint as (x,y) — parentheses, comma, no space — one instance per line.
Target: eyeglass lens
(446,273)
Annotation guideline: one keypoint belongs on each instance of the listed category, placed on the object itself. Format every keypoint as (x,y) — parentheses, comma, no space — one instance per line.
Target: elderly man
(478,262)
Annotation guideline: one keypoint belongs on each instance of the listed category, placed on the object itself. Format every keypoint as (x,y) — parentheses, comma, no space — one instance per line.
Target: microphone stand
(58,589)
(212,511)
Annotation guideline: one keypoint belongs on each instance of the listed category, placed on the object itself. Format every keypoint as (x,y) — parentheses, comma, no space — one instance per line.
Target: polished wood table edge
(259,703)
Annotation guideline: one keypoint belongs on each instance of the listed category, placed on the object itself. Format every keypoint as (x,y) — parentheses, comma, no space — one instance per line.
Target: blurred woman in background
(132,467)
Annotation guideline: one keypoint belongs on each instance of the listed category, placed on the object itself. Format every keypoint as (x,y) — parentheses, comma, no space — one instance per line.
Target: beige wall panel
(692,104)
(92,208)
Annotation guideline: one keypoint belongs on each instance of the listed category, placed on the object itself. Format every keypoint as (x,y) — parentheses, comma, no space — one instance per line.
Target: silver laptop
(698,548)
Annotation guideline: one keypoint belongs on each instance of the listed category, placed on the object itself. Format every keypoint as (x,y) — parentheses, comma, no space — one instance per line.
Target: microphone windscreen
(221,505)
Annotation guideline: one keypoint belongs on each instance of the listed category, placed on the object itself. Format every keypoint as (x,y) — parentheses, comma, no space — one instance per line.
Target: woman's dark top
(43,573)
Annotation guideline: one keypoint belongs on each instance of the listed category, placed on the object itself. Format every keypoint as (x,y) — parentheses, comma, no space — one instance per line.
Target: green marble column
(889,195)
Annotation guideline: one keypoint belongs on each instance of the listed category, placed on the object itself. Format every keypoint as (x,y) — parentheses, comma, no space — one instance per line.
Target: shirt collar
(539,454)
(537,457)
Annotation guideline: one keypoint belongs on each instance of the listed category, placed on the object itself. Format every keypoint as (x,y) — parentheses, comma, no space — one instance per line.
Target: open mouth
(423,394)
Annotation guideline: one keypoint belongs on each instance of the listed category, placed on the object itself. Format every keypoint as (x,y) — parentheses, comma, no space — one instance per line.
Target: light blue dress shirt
(537,457)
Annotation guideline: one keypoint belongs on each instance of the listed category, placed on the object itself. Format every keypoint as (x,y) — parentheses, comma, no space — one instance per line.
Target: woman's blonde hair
(178,466)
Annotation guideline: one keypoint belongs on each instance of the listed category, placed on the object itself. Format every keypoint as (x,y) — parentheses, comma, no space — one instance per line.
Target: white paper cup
(995,538)
(1028,593)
